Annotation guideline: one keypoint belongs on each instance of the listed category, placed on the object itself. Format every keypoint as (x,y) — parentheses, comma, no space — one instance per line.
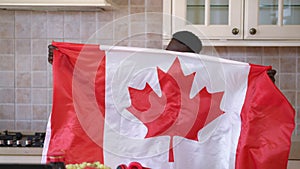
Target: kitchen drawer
(293,164)
(20,159)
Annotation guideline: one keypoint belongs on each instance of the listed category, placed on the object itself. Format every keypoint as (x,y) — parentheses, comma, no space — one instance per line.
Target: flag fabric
(165,110)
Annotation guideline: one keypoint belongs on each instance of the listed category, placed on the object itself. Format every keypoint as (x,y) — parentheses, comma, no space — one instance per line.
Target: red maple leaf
(174,113)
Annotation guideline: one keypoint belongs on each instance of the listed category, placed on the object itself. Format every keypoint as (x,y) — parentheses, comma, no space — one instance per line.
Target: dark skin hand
(175,45)
(50,53)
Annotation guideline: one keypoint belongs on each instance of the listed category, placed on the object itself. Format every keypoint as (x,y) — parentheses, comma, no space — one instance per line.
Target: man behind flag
(165,110)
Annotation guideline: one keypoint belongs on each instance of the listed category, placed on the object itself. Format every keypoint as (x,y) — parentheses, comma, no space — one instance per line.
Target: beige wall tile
(39,96)
(137,43)
(271,51)
(55,30)
(88,30)
(207,50)
(137,14)
(137,2)
(287,81)
(23,47)
(39,63)
(137,31)
(50,96)
(38,125)
(298,63)
(287,51)
(7,46)
(7,30)
(23,112)
(105,31)
(7,124)
(154,44)
(39,25)
(121,43)
(23,24)
(254,51)
(7,16)
(7,112)
(72,17)
(291,96)
(221,51)
(254,60)
(23,63)
(105,42)
(39,79)
(154,5)
(236,51)
(153,36)
(7,79)
(39,112)
(23,125)
(55,17)
(39,47)
(72,30)
(298,103)
(154,18)
(121,31)
(288,64)
(154,32)
(237,58)
(298,84)
(88,17)
(271,61)
(121,14)
(7,95)
(23,95)
(39,16)
(7,63)
(23,79)
(39,30)
(50,79)
(105,16)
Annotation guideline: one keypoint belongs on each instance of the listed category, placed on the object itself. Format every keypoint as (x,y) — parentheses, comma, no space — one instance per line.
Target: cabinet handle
(252,31)
(235,31)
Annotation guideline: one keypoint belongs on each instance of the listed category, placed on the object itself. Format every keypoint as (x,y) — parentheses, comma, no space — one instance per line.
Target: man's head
(185,41)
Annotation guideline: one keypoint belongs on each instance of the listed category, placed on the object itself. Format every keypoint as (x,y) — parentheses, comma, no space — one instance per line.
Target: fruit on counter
(87,165)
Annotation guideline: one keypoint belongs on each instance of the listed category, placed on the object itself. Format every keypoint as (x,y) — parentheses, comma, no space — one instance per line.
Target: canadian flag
(165,110)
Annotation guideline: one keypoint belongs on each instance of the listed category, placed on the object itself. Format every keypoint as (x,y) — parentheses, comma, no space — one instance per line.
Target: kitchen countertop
(30,151)
(295,148)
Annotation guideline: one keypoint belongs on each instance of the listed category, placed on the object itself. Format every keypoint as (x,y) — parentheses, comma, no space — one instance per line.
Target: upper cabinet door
(272,19)
(209,19)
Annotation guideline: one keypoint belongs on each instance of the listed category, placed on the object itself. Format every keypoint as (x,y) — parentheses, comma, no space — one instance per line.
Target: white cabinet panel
(206,27)
(279,19)
(237,22)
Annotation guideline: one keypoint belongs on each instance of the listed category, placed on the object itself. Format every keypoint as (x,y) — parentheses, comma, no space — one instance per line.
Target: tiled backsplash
(26,76)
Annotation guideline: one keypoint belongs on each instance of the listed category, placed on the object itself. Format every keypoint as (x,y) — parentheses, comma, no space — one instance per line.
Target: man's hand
(50,53)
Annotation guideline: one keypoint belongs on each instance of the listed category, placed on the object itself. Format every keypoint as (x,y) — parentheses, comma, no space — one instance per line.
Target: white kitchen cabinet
(236,22)
(272,19)
(208,18)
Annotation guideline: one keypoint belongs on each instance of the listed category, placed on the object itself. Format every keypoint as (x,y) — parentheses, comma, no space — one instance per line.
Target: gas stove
(21,139)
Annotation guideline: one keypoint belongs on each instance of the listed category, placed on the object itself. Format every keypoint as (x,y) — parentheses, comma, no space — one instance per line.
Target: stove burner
(18,139)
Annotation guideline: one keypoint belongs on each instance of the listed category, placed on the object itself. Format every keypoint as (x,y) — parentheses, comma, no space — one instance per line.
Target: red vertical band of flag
(267,124)
(68,137)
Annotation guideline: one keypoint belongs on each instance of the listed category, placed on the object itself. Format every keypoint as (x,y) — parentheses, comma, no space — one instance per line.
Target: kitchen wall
(26,76)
